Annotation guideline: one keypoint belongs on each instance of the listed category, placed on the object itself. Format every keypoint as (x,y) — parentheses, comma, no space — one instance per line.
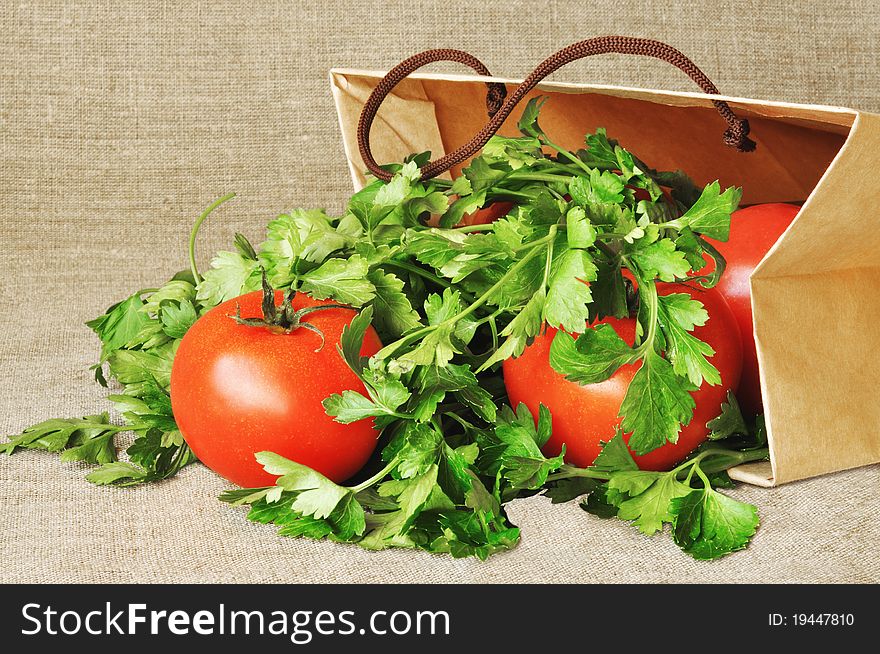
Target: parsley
(590,234)
(704,523)
(656,404)
(708,524)
(88,439)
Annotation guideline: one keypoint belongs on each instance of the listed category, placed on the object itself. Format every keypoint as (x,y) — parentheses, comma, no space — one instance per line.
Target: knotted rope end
(737,136)
(495,96)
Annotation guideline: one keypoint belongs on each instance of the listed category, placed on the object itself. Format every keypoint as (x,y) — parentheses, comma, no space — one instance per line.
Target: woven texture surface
(118,124)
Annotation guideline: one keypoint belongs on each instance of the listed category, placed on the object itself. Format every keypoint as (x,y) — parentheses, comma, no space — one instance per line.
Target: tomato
(585,414)
(753,231)
(488,214)
(237,390)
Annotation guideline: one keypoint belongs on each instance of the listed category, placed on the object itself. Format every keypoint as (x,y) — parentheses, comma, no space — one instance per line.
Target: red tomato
(753,231)
(642,194)
(237,390)
(585,414)
(488,214)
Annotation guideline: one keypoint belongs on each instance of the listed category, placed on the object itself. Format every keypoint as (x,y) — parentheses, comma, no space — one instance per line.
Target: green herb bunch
(590,234)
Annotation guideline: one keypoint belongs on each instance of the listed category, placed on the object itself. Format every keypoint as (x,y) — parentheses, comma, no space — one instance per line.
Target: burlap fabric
(118,124)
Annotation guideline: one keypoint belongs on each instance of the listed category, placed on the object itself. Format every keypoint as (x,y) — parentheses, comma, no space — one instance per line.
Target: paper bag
(815,296)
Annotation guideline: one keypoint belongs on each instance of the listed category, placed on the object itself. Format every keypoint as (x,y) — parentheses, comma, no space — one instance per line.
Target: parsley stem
(707,485)
(195,230)
(402,416)
(567,471)
(493,328)
(689,462)
(466,229)
(535,246)
(568,155)
(606,250)
(648,291)
(538,177)
(131,427)
(146,291)
(421,272)
(571,169)
(717,459)
(503,192)
(375,478)
(489,317)
(548,263)
(601,236)
(729,458)
(725,459)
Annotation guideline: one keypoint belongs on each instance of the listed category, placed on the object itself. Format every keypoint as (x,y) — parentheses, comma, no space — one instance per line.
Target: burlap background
(119,124)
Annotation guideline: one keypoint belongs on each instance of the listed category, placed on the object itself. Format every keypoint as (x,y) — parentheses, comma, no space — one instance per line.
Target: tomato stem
(287,320)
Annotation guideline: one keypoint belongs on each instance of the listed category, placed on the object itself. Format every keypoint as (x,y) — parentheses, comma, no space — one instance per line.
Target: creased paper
(816,296)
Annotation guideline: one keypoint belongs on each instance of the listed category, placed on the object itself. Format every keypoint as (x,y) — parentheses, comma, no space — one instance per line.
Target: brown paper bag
(815,296)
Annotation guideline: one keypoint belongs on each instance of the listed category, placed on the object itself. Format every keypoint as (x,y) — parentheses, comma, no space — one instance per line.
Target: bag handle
(736,134)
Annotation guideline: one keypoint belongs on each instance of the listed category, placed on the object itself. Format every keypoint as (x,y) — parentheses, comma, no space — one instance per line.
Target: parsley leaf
(661,260)
(580,231)
(410,496)
(178,318)
(120,324)
(515,448)
(566,490)
(231,275)
(352,338)
(316,496)
(446,337)
(524,326)
(730,421)
(434,382)
(614,456)
(596,355)
(528,122)
(307,235)
(708,524)
(139,369)
(344,280)
(350,407)
(710,214)
(516,152)
(679,314)
(651,493)
(656,404)
(386,394)
(601,187)
(88,439)
(568,296)
(394,314)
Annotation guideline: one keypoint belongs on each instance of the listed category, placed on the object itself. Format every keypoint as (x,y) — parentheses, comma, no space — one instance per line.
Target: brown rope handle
(736,135)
